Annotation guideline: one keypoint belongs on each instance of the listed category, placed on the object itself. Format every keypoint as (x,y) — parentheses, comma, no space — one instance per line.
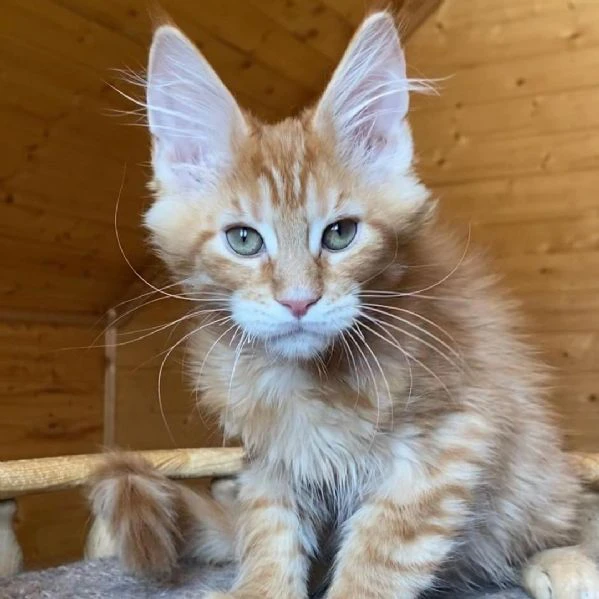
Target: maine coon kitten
(393,421)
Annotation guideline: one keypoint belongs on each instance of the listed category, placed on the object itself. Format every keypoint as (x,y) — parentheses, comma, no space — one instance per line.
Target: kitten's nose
(299,307)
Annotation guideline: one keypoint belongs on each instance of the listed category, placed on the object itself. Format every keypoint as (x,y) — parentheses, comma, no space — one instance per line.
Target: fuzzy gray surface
(104,579)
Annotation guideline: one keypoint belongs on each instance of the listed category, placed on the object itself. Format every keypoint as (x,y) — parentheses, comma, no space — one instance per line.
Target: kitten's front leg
(272,545)
(399,538)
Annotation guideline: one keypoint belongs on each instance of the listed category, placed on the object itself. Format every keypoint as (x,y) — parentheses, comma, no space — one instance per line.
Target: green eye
(339,235)
(244,240)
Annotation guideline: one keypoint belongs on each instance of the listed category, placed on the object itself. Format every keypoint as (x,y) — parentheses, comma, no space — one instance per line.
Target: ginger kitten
(394,423)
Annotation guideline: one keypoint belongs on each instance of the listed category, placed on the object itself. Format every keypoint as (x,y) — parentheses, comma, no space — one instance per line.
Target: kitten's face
(289,221)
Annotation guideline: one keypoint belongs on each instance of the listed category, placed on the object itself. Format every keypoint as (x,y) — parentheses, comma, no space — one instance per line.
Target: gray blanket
(104,579)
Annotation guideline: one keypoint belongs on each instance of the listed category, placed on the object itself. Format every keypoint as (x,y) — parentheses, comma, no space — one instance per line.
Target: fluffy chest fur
(292,422)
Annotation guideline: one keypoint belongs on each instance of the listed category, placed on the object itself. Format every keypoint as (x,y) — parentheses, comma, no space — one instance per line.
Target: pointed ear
(193,118)
(366,102)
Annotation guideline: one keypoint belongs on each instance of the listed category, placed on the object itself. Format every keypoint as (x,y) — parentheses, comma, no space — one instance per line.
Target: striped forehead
(288,181)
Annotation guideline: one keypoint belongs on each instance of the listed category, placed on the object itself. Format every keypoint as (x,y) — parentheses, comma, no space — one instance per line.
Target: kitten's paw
(225,491)
(563,573)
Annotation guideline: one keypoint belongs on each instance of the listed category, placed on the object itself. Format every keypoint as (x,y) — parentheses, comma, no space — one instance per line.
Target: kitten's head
(291,220)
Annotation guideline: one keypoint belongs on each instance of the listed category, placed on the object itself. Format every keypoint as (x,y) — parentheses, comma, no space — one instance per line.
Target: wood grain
(511,148)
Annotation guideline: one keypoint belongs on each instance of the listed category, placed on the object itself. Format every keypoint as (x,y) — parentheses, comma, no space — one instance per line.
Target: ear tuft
(192,116)
(366,101)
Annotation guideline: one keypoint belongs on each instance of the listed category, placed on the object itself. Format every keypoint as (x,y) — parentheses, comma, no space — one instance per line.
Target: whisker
(166,357)
(416,338)
(346,347)
(158,329)
(199,376)
(417,292)
(448,347)
(385,381)
(372,377)
(416,315)
(398,346)
(238,351)
(395,294)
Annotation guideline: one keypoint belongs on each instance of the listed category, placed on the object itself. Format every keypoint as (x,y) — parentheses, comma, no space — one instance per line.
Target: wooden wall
(51,397)
(141,421)
(511,145)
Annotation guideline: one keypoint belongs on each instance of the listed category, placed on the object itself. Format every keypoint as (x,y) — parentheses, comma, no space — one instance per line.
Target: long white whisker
(448,347)
(372,377)
(385,381)
(398,346)
(238,351)
(166,357)
(416,338)
(416,315)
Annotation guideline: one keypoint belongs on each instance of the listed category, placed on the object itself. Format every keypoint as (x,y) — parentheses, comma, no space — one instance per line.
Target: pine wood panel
(141,422)
(51,404)
(511,148)
(522,29)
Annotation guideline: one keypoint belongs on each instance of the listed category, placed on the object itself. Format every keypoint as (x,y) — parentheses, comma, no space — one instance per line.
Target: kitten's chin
(302,345)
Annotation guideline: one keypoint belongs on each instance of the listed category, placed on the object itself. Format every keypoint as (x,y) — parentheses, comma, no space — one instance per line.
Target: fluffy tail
(150,522)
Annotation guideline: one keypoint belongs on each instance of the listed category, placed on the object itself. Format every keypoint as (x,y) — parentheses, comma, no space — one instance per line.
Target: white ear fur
(192,116)
(367,100)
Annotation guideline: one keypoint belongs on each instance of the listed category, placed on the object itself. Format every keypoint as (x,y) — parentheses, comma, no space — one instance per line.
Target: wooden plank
(63,318)
(351,10)
(243,26)
(459,13)
(553,272)
(544,153)
(177,422)
(563,26)
(520,117)
(42,289)
(547,236)
(560,321)
(71,262)
(51,527)
(237,69)
(311,22)
(29,218)
(548,73)
(576,400)
(412,14)
(571,352)
(48,407)
(511,199)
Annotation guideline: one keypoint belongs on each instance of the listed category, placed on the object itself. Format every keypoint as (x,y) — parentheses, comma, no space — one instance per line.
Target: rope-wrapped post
(11,555)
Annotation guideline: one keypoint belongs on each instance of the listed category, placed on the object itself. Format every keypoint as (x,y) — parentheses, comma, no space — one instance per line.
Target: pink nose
(299,307)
